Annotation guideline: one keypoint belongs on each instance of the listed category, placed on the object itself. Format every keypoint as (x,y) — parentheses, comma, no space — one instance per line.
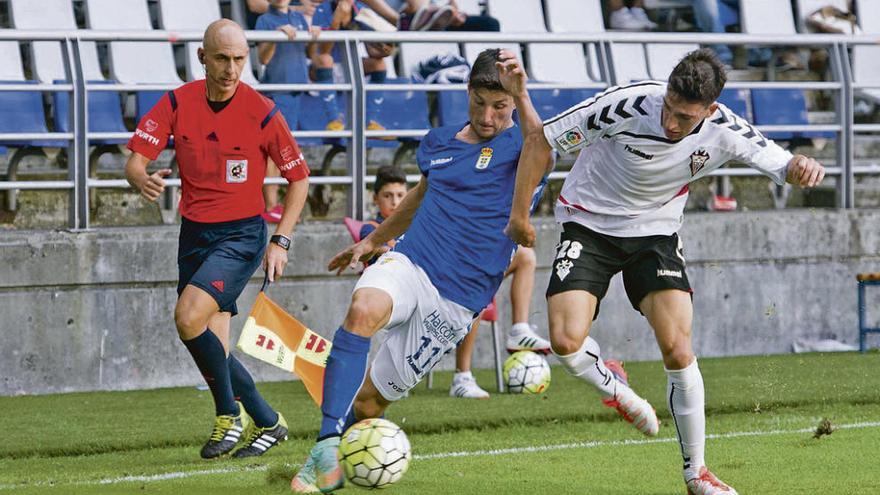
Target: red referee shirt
(222,155)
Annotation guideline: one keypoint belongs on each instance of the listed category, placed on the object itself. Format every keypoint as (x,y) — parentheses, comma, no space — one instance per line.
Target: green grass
(70,443)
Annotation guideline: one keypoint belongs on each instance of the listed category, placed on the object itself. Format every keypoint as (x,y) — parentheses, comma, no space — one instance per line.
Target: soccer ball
(526,373)
(374,453)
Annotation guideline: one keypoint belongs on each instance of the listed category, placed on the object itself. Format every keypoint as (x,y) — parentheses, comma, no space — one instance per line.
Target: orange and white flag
(273,336)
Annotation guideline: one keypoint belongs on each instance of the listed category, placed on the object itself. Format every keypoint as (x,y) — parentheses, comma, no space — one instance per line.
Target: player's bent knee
(562,343)
(189,323)
(369,311)
(528,258)
(678,356)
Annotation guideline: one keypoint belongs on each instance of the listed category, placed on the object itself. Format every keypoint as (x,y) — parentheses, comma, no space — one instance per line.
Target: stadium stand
(866,58)
(48,58)
(551,62)
(20,112)
(547,62)
(806,7)
(775,106)
(560,20)
(105,107)
(126,58)
(195,15)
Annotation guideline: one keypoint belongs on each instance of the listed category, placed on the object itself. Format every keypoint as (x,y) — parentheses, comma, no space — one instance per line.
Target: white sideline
(443,455)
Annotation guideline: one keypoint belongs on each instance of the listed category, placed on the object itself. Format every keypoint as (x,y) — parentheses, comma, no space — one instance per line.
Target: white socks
(587,365)
(686,400)
(520,328)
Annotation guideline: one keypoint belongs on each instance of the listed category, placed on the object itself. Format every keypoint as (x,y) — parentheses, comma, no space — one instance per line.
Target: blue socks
(246,391)
(325,76)
(343,377)
(207,351)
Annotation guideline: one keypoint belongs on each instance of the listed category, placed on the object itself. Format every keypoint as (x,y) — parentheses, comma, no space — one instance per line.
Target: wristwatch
(281,240)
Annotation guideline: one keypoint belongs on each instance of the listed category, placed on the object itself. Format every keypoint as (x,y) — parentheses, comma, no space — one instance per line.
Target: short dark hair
(484,74)
(388,174)
(699,77)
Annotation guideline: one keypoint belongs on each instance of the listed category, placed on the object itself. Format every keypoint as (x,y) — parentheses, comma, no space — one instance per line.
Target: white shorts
(423,326)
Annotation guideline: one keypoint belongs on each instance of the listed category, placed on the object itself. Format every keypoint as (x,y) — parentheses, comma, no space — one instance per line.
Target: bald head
(224,32)
(224,52)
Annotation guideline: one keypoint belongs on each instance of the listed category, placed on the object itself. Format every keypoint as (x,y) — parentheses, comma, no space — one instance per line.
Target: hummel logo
(217,284)
(441,161)
(638,153)
(668,273)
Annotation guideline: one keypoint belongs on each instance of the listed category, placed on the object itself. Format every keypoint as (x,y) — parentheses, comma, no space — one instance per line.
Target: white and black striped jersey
(629,180)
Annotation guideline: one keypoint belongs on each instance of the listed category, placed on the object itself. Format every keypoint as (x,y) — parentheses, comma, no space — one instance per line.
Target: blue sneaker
(328,472)
(304,481)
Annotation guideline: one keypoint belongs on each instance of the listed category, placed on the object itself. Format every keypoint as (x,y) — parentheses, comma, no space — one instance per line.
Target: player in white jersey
(621,206)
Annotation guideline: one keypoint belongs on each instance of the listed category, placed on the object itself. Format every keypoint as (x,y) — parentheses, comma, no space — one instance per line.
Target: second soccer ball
(526,372)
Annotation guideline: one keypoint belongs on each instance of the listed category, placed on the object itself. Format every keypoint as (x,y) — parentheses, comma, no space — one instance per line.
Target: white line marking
(439,455)
(647,441)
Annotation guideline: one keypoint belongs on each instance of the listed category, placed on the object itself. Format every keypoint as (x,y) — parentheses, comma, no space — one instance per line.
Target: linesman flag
(273,336)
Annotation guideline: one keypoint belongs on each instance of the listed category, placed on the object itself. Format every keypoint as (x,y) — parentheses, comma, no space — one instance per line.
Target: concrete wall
(93,311)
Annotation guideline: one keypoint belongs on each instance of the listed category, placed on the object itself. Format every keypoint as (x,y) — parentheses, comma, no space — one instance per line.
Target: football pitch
(762,415)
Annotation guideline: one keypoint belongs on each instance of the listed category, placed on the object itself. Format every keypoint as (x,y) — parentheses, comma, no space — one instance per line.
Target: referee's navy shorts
(220,258)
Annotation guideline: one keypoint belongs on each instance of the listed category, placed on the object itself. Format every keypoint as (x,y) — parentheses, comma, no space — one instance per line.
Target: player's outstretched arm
(804,171)
(149,185)
(535,158)
(391,228)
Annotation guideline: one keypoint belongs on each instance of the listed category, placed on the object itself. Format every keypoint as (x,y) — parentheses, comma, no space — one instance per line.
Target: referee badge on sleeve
(236,171)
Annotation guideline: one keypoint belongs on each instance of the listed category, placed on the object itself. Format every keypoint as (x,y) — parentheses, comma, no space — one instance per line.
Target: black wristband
(281,240)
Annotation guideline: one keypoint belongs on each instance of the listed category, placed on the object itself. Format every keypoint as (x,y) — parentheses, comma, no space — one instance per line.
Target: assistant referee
(223,130)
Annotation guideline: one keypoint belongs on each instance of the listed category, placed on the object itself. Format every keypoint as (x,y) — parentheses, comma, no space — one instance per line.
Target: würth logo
(217,284)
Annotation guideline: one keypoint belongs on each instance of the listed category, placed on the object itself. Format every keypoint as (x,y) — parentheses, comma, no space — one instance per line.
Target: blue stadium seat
(738,101)
(22,111)
(399,110)
(782,106)
(728,15)
(452,107)
(145,100)
(105,113)
(552,102)
(313,107)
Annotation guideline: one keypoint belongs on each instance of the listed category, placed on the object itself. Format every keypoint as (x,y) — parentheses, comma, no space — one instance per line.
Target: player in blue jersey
(446,269)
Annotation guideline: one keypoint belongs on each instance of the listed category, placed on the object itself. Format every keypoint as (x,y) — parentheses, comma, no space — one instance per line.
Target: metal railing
(79,184)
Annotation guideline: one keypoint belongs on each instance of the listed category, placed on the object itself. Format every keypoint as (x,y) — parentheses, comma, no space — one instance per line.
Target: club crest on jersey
(569,139)
(236,171)
(698,160)
(151,125)
(484,159)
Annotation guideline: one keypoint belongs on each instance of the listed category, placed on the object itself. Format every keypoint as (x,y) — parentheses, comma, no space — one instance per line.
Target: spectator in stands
(440,15)
(285,63)
(222,148)
(388,191)
(708,19)
(255,8)
(351,14)
(628,15)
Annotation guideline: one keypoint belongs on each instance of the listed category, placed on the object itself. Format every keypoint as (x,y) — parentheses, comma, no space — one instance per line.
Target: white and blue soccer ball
(374,453)
(526,372)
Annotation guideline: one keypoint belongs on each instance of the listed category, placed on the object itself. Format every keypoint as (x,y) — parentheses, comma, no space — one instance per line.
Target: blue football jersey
(457,235)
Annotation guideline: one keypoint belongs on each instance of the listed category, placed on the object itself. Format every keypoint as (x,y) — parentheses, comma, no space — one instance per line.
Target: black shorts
(220,258)
(586,260)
